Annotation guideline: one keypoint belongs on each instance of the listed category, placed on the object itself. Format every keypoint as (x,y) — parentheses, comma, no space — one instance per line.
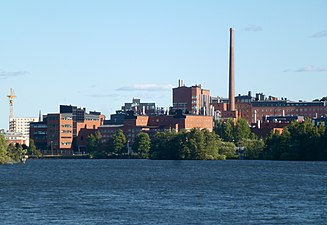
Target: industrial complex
(66,132)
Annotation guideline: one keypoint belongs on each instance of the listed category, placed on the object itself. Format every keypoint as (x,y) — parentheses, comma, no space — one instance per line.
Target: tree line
(193,144)
(13,153)
(298,141)
(229,140)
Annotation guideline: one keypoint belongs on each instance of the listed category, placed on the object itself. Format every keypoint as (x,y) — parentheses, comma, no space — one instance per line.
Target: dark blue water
(163,192)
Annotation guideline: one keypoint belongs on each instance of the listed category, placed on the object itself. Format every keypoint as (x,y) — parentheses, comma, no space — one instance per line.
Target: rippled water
(163,192)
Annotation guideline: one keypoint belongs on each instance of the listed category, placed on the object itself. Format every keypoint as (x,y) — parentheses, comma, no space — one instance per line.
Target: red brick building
(258,108)
(154,124)
(191,100)
(60,131)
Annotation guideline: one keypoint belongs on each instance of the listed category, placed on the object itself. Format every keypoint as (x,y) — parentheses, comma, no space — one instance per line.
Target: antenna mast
(11,97)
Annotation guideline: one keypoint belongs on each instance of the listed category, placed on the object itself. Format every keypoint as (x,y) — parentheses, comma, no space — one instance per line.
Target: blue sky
(100,54)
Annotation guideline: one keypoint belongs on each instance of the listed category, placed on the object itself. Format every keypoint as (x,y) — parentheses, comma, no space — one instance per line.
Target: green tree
(241,131)
(32,150)
(94,142)
(181,141)
(15,152)
(231,132)
(253,148)
(299,141)
(119,142)
(4,158)
(276,145)
(227,150)
(196,144)
(164,146)
(225,129)
(211,144)
(305,138)
(142,144)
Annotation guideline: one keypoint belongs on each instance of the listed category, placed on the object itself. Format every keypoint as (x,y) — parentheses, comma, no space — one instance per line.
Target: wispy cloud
(6,74)
(321,34)
(311,69)
(103,95)
(146,87)
(252,28)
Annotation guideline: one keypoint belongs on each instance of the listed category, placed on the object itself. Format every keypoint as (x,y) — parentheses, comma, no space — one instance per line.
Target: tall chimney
(231,72)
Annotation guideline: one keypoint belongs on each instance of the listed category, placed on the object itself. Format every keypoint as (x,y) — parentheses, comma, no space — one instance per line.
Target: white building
(22,125)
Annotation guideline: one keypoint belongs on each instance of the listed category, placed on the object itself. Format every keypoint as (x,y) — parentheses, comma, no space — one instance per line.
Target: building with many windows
(133,125)
(191,100)
(21,126)
(260,107)
(61,130)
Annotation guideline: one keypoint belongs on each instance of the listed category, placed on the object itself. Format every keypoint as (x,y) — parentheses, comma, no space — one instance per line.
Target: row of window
(66,131)
(66,118)
(40,132)
(66,143)
(294,110)
(39,126)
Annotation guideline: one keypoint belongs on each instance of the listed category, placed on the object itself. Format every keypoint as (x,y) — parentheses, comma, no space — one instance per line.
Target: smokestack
(231,72)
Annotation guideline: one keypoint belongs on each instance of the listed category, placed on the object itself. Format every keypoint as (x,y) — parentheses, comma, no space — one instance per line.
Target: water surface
(163,192)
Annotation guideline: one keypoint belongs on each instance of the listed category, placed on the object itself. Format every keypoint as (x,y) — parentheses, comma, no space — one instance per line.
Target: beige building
(21,126)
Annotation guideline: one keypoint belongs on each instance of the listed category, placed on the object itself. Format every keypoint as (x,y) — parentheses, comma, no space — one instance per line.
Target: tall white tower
(11,97)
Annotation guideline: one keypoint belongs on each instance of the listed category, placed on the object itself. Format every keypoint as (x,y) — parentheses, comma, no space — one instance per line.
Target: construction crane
(11,97)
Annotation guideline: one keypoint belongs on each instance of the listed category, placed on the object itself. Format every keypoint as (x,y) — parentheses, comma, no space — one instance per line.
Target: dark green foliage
(114,146)
(15,152)
(253,148)
(225,130)
(196,145)
(233,133)
(32,150)
(163,146)
(142,145)
(299,141)
(95,146)
(119,142)
(241,131)
(228,150)
(94,142)
(4,157)
(10,153)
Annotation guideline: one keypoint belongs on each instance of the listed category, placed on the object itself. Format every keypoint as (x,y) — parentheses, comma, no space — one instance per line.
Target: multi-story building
(152,124)
(262,109)
(15,138)
(63,128)
(191,100)
(258,108)
(139,108)
(21,126)
(38,132)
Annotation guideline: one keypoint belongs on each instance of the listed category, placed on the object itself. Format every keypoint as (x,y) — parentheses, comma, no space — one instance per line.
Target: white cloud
(252,28)
(311,68)
(103,95)
(6,74)
(321,34)
(146,87)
